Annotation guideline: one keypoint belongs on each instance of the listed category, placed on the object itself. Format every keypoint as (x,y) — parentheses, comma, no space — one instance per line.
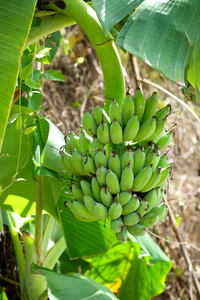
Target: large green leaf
(138,271)
(109,16)
(161,33)
(73,286)
(15,20)
(84,239)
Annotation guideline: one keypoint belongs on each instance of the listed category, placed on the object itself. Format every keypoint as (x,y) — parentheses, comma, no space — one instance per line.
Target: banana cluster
(117,167)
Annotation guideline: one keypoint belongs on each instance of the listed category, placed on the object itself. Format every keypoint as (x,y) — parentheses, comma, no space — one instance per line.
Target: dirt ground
(64,103)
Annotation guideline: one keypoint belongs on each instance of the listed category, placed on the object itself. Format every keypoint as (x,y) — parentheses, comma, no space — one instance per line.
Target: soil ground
(64,103)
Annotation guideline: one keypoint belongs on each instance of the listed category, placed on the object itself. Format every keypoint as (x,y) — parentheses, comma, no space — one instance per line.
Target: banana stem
(47,234)
(54,253)
(103,44)
(30,256)
(39,219)
(48,25)
(20,258)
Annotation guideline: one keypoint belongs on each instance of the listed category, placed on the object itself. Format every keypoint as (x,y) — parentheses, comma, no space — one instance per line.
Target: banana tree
(32,179)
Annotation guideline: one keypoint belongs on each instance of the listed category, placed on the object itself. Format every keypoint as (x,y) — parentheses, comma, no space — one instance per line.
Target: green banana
(86,188)
(146,130)
(131,206)
(142,178)
(131,219)
(159,193)
(143,207)
(77,191)
(84,142)
(112,182)
(106,196)
(152,158)
(114,112)
(158,130)
(163,112)
(153,181)
(115,210)
(100,159)
(161,217)
(95,145)
(92,219)
(126,158)
(165,140)
(74,140)
(139,102)
(149,219)
(100,211)
(151,106)
(152,199)
(128,109)
(77,162)
(89,203)
(122,236)
(132,128)
(116,134)
(101,174)
(136,230)
(68,146)
(117,225)
(96,189)
(79,209)
(114,164)
(124,197)
(161,210)
(89,124)
(103,133)
(67,160)
(127,178)
(89,165)
(139,160)
(165,173)
(98,114)
(163,161)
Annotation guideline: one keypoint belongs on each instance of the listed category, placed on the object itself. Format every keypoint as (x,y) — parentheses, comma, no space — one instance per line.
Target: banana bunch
(117,167)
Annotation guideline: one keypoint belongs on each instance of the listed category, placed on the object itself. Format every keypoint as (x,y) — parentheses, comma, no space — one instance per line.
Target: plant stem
(48,25)
(39,219)
(103,44)
(20,258)
(54,253)
(30,256)
(47,233)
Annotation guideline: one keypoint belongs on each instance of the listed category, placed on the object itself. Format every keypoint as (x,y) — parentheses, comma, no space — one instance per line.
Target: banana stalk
(103,44)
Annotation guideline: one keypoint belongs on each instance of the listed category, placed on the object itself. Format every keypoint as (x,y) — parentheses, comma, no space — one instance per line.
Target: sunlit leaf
(42,53)
(26,71)
(54,75)
(132,269)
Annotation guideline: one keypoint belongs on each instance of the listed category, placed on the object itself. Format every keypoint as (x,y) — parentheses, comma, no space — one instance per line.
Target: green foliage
(163,34)
(127,269)
(73,286)
(11,50)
